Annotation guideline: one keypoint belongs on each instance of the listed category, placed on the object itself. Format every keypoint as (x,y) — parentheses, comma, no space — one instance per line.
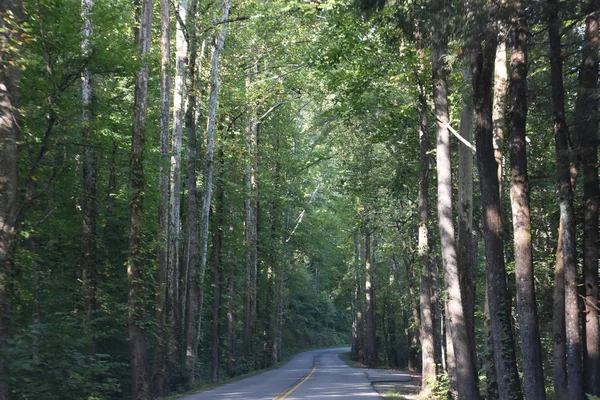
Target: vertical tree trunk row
(509,386)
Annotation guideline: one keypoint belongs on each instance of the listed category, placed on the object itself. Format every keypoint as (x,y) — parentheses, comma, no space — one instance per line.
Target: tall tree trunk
(191,249)
(466,375)
(195,287)
(173,309)
(465,216)
(159,379)
(427,337)
(588,83)
(355,349)
(372,356)
(519,198)
(135,263)
(500,322)
(88,201)
(217,251)
(10,18)
(251,231)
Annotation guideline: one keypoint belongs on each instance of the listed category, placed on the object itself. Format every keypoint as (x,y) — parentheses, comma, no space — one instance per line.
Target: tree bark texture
(191,249)
(9,135)
(159,379)
(509,386)
(466,375)
(589,92)
(135,266)
(429,369)
(465,215)
(564,255)
(533,373)
(217,257)
(173,309)
(251,230)
(499,107)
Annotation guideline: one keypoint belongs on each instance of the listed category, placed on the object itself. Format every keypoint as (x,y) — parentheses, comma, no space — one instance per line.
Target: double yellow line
(291,390)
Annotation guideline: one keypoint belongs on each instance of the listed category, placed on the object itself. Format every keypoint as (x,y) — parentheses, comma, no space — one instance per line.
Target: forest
(192,190)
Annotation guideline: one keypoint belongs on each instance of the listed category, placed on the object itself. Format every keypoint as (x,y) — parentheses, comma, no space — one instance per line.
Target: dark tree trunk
(371,350)
(519,195)
(564,255)
(231,326)
(498,297)
(135,263)
(217,251)
(465,374)
(588,84)
(9,135)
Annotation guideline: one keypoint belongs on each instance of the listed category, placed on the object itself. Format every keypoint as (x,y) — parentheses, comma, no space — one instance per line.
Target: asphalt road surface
(318,374)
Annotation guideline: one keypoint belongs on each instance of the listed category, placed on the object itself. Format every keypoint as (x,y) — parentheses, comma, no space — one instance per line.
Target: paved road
(314,375)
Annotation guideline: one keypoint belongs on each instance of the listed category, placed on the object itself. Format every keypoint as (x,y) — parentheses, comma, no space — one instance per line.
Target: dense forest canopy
(191,190)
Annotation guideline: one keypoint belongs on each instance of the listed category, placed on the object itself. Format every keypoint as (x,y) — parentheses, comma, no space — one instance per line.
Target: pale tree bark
(509,386)
(427,337)
(159,374)
(499,106)
(251,230)
(10,17)
(195,286)
(135,265)
(588,98)
(465,214)
(88,201)
(465,374)
(533,373)
(173,311)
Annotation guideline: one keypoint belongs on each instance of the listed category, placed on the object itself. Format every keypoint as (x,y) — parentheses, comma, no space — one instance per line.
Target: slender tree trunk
(372,356)
(195,288)
(500,322)
(588,83)
(88,202)
(429,369)
(564,255)
(466,376)
(217,250)
(160,374)
(354,352)
(251,232)
(191,249)
(465,216)
(173,309)
(519,195)
(135,263)
(9,135)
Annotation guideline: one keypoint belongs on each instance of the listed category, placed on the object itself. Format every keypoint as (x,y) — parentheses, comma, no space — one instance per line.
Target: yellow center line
(285,394)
